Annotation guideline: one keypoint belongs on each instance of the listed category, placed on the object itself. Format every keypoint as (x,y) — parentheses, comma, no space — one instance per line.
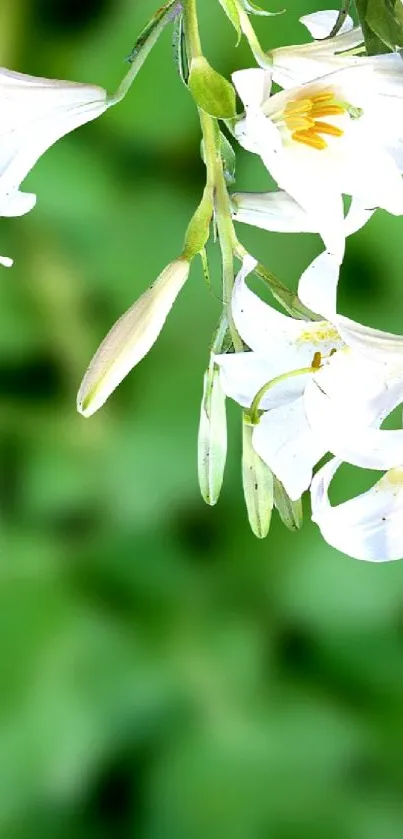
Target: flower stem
(215,177)
(144,44)
(254,408)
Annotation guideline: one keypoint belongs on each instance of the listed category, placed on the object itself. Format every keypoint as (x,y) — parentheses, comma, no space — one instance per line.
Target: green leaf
(179,49)
(385,17)
(289,511)
(382,24)
(211,92)
(166,13)
(231,10)
(341,17)
(252,9)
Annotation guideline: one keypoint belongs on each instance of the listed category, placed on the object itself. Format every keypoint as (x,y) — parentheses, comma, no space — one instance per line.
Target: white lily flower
(367,527)
(35,112)
(303,62)
(292,364)
(333,136)
(131,338)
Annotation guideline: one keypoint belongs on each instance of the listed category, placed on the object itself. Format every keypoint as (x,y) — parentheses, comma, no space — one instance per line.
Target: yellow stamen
(327,128)
(302,118)
(299,123)
(322,97)
(300,106)
(327,110)
(309,138)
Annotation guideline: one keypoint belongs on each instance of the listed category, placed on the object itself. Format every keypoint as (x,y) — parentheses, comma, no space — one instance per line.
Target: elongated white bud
(212,440)
(130,338)
(257,481)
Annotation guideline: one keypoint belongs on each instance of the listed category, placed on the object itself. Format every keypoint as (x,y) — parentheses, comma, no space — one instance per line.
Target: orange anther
(327,110)
(309,138)
(322,97)
(327,128)
(299,106)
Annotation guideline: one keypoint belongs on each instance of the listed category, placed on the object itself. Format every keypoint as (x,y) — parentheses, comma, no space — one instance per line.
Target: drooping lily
(291,364)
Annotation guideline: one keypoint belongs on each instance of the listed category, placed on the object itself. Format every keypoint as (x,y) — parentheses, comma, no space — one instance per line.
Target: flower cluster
(311,383)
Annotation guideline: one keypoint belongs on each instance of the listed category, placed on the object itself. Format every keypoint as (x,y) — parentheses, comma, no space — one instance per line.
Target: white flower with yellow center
(290,363)
(34,114)
(329,137)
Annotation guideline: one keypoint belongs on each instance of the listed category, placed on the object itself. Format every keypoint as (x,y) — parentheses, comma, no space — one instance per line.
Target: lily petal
(378,346)
(284,440)
(268,332)
(19,204)
(6,261)
(242,375)
(343,425)
(320,24)
(368,527)
(275,211)
(317,288)
(35,113)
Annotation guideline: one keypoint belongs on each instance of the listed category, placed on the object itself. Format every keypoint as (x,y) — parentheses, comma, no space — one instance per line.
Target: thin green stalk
(144,45)
(215,177)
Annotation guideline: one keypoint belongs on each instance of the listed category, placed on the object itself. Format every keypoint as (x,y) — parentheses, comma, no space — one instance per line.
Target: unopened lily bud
(257,484)
(212,440)
(131,338)
(289,511)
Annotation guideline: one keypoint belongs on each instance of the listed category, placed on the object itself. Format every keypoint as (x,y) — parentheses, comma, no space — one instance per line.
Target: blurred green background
(164,675)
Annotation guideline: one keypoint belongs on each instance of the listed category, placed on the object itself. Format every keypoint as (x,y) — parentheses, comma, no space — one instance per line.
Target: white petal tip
(6,261)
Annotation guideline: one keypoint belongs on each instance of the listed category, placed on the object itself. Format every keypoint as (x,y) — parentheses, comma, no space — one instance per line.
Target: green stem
(254,408)
(144,45)
(215,178)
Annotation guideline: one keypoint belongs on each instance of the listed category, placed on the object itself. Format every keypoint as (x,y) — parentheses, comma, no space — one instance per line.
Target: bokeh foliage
(163,674)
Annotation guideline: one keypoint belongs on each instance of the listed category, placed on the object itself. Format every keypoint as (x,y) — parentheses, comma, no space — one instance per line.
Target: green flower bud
(257,484)
(212,441)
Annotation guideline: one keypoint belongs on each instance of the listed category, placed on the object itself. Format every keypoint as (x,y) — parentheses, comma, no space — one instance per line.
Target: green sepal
(382,24)
(231,10)
(198,230)
(211,92)
(289,511)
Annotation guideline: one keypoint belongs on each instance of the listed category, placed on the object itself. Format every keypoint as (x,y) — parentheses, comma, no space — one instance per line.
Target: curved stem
(254,408)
